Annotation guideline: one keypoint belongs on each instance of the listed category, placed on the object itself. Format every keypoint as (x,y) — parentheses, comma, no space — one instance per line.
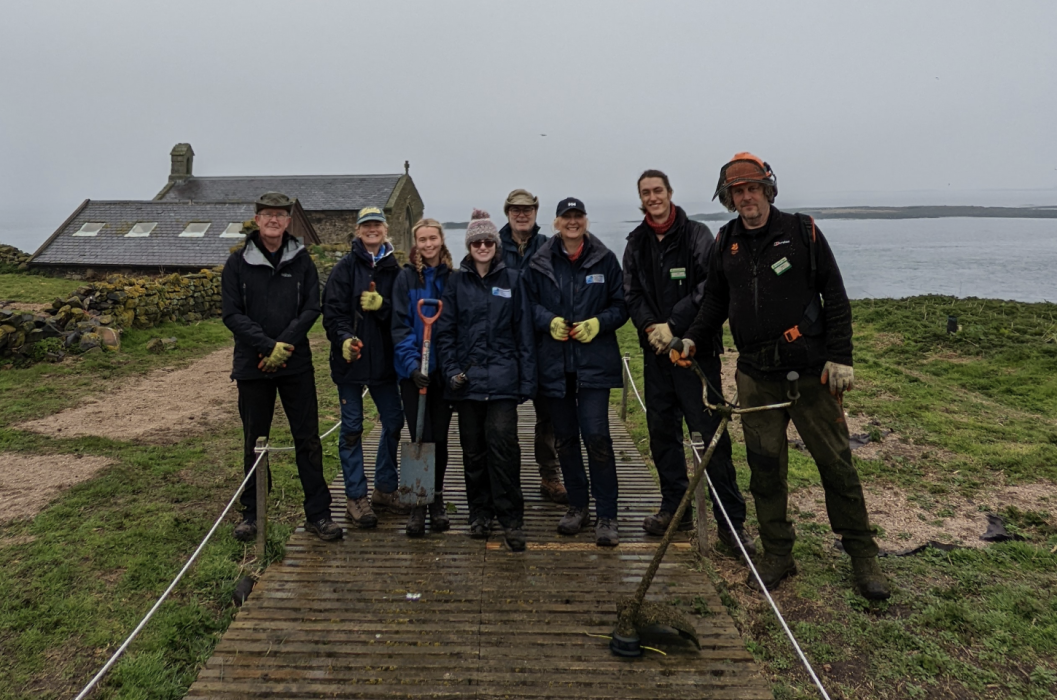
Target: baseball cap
(370,214)
(570,204)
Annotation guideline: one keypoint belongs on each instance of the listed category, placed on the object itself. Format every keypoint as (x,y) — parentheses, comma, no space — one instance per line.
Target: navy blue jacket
(485,331)
(407,326)
(591,287)
(343,318)
(511,256)
(264,305)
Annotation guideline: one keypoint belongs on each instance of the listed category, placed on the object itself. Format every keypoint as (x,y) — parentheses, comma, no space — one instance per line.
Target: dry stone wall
(11,256)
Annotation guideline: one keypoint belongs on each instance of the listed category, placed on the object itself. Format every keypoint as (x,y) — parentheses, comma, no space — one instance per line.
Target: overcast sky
(884,102)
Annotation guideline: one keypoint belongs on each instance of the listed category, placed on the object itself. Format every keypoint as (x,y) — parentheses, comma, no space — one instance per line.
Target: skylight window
(141,230)
(89,229)
(233,231)
(196,230)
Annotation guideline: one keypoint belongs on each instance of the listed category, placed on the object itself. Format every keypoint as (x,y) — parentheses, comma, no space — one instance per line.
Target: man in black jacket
(664,278)
(775,277)
(270,298)
(520,239)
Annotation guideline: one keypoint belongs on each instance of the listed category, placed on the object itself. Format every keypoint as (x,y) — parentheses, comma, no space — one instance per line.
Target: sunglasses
(485,243)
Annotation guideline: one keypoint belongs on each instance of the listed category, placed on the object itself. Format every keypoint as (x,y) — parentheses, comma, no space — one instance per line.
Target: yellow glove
(350,349)
(370,300)
(659,337)
(280,354)
(559,329)
(585,331)
(840,378)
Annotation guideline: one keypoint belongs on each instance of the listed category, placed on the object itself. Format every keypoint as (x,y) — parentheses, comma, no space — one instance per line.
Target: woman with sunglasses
(487,354)
(577,294)
(423,278)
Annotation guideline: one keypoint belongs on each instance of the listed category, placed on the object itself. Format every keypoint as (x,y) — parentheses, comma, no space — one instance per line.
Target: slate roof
(315,192)
(162,248)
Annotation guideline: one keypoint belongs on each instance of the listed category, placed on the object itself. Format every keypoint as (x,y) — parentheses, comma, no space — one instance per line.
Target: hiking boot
(772,569)
(514,538)
(324,528)
(479,528)
(246,530)
(554,491)
(657,524)
(388,503)
(360,513)
(606,533)
(438,514)
(727,538)
(574,520)
(871,583)
(416,522)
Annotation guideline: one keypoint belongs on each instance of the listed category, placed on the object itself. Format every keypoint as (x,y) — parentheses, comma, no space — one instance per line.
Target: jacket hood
(596,250)
(291,246)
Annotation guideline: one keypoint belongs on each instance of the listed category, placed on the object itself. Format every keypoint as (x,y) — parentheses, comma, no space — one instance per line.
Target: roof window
(195,230)
(89,229)
(234,230)
(141,230)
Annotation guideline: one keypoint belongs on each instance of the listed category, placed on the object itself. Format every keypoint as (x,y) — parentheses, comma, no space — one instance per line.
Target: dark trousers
(437,420)
(256,407)
(545,451)
(586,412)
(672,395)
(819,419)
(491,458)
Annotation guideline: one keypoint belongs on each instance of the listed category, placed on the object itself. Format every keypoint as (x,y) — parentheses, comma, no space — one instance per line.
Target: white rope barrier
(631,381)
(745,554)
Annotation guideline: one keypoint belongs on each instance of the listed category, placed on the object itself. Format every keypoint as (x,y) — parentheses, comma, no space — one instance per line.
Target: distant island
(921,212)
(455,224)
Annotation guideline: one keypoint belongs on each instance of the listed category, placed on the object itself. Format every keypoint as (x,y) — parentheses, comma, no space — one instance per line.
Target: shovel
(418,459)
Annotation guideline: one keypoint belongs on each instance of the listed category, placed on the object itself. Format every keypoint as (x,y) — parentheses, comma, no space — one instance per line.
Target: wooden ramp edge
(381,615)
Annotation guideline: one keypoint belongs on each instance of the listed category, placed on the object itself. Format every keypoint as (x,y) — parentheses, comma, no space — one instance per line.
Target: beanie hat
(481,228)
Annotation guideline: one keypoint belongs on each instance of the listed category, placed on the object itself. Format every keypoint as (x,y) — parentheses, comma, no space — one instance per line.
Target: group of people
(527,316)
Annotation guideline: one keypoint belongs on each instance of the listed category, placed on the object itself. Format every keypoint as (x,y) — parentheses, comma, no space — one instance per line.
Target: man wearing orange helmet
(774,276)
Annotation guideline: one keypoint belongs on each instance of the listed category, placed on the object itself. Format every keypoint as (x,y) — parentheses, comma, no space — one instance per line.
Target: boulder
(110,338)
(155,346)
(89,341)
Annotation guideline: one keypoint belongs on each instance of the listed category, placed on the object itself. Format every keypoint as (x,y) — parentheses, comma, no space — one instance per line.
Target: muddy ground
(30,482)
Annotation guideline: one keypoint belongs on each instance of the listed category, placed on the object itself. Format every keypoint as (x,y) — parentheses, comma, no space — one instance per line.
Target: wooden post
(626,374)
(262,497)
(700,502)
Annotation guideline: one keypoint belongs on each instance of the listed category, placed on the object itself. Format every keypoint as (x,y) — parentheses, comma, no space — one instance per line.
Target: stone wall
(11,256)
(333,227)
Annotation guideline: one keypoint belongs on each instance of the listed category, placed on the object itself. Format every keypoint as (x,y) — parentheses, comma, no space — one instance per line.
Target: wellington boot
(772,569)
(416,522)
(438,514)
(871,583)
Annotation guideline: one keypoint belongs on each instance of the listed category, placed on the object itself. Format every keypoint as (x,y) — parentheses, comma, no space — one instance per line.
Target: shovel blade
(417,473)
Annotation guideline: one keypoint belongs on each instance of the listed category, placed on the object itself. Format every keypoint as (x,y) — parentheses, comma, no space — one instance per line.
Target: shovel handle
(427,333)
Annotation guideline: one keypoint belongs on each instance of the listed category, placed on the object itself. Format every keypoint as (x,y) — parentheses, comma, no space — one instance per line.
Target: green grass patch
(35,289)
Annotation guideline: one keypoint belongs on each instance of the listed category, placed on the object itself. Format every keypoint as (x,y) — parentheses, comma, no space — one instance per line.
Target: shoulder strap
(808,233)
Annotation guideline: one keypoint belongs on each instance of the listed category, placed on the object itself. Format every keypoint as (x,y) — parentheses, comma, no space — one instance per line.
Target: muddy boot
(325,529)
(574,520)
(606,532)
(554,491)
(388,503)
(359,513)
(727,538)
(515,539)
(657,524)
(871,583)
(479,528)
(772,569)
(416,522)
(246,531)
(438,514)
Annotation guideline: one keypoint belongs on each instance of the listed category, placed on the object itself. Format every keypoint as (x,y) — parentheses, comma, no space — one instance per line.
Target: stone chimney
(183,158)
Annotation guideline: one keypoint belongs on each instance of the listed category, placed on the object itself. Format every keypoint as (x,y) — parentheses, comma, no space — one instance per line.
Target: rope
(748,560)
(631,380)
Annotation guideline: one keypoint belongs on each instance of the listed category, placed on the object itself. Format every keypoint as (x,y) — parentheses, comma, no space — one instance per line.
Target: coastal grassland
(34,289)
(971,411)
(77,578)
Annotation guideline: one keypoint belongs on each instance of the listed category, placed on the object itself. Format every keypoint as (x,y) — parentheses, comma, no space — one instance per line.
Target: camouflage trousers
(819,419)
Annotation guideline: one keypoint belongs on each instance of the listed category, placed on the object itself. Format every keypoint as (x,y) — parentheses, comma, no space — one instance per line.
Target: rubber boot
(871,583)
(438,514)
(416,522)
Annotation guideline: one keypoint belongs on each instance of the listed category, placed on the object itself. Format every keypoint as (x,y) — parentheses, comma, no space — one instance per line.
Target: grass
(971,623)
(35,289)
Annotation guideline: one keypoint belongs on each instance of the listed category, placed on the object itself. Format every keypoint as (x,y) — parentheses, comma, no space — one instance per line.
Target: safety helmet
(744,167)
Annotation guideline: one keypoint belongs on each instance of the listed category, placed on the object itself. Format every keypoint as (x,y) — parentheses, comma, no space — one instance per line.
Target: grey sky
(846,100)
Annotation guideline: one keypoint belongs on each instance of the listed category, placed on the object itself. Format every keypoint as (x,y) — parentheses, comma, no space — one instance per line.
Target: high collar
(253,255)
(361,251)
(468,265)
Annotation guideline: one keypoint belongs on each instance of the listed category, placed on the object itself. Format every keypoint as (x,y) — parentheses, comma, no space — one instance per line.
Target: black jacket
(264,305)
(761,280)
(576,291)
(343,318)
(485,331)
(511,255)
(664,281)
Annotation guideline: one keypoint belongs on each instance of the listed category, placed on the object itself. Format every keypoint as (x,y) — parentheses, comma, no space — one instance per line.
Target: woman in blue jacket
(357,307)
(487,354)
(577,294)
(423,278)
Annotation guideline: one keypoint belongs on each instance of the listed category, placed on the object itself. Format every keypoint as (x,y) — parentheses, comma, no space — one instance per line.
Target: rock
(155,346)
(110,338)
(106,320)
(169,343)
(89,341)
(52,329)
(72,339)
(94,351)
(75,302)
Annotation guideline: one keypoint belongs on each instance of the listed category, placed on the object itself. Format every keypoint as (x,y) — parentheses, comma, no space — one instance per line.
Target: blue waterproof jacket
(343,318)
(485,331)
(407,326)
(591,287)
(512,256)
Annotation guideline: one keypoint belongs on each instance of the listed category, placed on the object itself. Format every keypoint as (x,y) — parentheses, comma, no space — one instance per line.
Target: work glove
(840,378)
(370,300)
(350,349)
(682,359)
(420,380)
(585,331)
(559,329)
(660,337)
(280,354)
(458,381)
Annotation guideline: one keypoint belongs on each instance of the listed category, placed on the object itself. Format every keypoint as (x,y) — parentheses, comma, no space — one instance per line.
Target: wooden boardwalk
(380,615)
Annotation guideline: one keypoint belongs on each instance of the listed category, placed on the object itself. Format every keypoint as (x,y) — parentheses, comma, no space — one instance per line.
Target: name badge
(596,279)
(500,292)
(781,266)
(678,273)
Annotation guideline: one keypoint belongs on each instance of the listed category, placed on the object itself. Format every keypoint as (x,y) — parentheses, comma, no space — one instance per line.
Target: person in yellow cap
(774,276)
